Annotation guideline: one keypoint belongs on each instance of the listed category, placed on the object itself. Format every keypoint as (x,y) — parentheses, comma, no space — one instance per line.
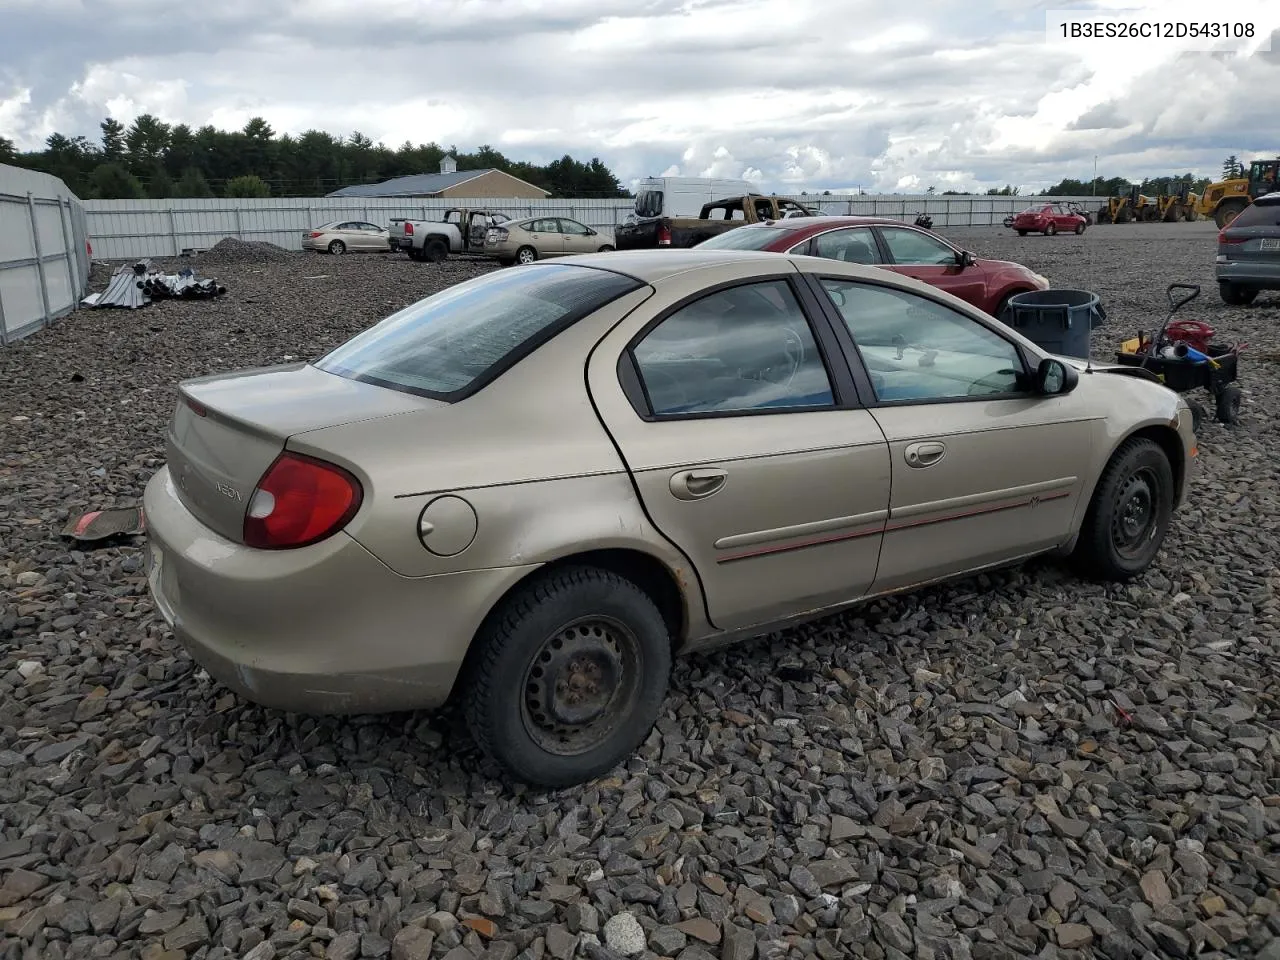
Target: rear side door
(915,253)
(984,470)
(850,245)
(742,430)
(545,235)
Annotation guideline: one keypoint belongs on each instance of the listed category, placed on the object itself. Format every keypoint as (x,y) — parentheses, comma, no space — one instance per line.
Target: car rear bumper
(325,629)
(1257,273)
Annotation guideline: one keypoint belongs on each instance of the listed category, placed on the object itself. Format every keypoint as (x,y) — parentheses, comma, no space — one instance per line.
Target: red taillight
(300,501)
(1223,238)
(664,235)
(316,233)
(408,229)
(199,409)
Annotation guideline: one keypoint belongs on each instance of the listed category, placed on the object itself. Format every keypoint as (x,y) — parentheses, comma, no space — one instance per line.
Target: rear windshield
(744,238)
(649,203)
(460,338)
(1259,214)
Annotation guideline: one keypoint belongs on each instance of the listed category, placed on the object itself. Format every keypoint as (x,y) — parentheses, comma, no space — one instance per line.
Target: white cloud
(795,94)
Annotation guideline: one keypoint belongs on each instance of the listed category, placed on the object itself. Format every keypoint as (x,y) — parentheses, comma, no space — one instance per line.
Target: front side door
(915,253)
(576,237)
(984,470)
(746,442)
(370,236)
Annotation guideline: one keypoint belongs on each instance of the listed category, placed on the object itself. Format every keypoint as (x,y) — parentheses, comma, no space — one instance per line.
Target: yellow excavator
(1131,206)
(1179,205)
(1224,200)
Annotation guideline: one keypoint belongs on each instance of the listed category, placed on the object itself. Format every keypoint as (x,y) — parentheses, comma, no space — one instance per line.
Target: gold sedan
(536,238)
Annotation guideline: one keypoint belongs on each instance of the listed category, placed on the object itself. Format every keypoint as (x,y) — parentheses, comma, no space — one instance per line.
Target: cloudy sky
(798,94)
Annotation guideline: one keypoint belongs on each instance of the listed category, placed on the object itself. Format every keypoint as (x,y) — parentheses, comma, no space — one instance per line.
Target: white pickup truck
(461,230)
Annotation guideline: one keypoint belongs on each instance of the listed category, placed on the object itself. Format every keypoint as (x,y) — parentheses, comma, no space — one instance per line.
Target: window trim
(887,252)
(513,357)
(845,391)
(853,355)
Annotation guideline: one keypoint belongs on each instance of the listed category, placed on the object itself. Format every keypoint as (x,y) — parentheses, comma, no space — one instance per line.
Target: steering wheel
(794,351)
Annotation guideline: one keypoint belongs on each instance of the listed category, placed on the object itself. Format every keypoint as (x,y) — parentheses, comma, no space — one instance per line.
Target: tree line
(153,159)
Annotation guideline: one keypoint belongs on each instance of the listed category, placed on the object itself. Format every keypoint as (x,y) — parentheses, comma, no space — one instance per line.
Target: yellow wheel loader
(1224,200)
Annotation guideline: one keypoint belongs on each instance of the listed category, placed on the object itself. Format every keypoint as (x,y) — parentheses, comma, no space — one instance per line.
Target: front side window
(917,349)
(913,248)
(441,345)
(745,348)
(855,245)
(572,227)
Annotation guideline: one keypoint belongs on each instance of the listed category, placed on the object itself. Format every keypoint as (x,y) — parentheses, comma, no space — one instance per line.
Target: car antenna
(1088,353)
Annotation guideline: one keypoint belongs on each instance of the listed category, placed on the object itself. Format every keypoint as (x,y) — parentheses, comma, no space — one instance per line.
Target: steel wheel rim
(580,685)
(1136,515)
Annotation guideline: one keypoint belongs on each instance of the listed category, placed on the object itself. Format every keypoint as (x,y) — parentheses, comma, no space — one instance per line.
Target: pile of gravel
(230,250)
(1020,764)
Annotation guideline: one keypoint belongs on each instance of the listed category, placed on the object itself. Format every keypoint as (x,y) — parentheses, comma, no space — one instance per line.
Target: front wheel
(1129,515)
(1050,230)
(606,249)
(1079,229)
(337,247)
(568,677)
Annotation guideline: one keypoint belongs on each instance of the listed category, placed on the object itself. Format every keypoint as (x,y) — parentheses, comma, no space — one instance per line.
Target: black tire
(416,254)
(1227,211)
(1128,517)
(434,250)
(1198,414)
(618,627)
(337,247)
(1079,229)
(607,248)
(1229,401)
(1002,306)
(506,262)
(1022,233)
(526,254)
(1236,295)
(1051,230)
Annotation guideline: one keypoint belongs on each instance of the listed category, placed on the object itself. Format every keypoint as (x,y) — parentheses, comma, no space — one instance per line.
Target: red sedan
(894,245)
(1048,218)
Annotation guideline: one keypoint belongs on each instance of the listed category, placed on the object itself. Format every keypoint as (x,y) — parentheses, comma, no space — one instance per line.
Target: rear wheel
(434,250)
(1236,295)
(1079,229)
(1050,230)
(526,255)
(337,247)
(1129,515)
(568,676)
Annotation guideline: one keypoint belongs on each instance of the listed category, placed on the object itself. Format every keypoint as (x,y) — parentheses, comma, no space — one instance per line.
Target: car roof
(654,266)
(823,222)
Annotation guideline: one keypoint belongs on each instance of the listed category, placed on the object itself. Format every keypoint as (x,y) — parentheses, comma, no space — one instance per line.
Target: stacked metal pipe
(136,285)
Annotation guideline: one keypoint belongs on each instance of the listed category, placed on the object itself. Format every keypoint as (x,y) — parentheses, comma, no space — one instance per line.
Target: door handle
(696,484)
(925,454)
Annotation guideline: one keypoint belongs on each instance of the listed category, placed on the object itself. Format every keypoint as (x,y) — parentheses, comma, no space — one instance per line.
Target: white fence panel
(44,265)
(130,229)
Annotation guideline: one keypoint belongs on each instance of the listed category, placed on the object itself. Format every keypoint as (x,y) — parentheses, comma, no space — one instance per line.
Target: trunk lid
(229,428)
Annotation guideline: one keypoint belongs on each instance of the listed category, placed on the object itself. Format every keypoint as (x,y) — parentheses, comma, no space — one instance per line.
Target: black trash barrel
(1058,321)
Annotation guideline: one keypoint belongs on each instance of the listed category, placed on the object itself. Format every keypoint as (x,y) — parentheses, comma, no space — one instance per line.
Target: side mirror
(966,259)
(1054,378)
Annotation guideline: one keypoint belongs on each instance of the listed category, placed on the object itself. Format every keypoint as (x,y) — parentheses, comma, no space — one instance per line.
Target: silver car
(536,238)
(1249,252)
(341,236)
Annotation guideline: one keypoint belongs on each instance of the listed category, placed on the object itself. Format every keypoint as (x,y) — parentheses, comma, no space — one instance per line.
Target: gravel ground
(1017,765)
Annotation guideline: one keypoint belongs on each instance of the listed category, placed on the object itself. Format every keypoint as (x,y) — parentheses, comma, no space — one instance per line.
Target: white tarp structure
(44,256)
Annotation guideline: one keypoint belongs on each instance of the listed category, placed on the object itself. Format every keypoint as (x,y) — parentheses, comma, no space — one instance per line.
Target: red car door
(923,256)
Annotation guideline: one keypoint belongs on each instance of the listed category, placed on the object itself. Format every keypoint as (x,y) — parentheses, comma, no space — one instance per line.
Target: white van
(684,196)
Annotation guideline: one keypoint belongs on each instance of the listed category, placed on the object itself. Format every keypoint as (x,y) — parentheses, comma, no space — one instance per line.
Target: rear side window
(744,238)
(455,341)
(1258,215)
